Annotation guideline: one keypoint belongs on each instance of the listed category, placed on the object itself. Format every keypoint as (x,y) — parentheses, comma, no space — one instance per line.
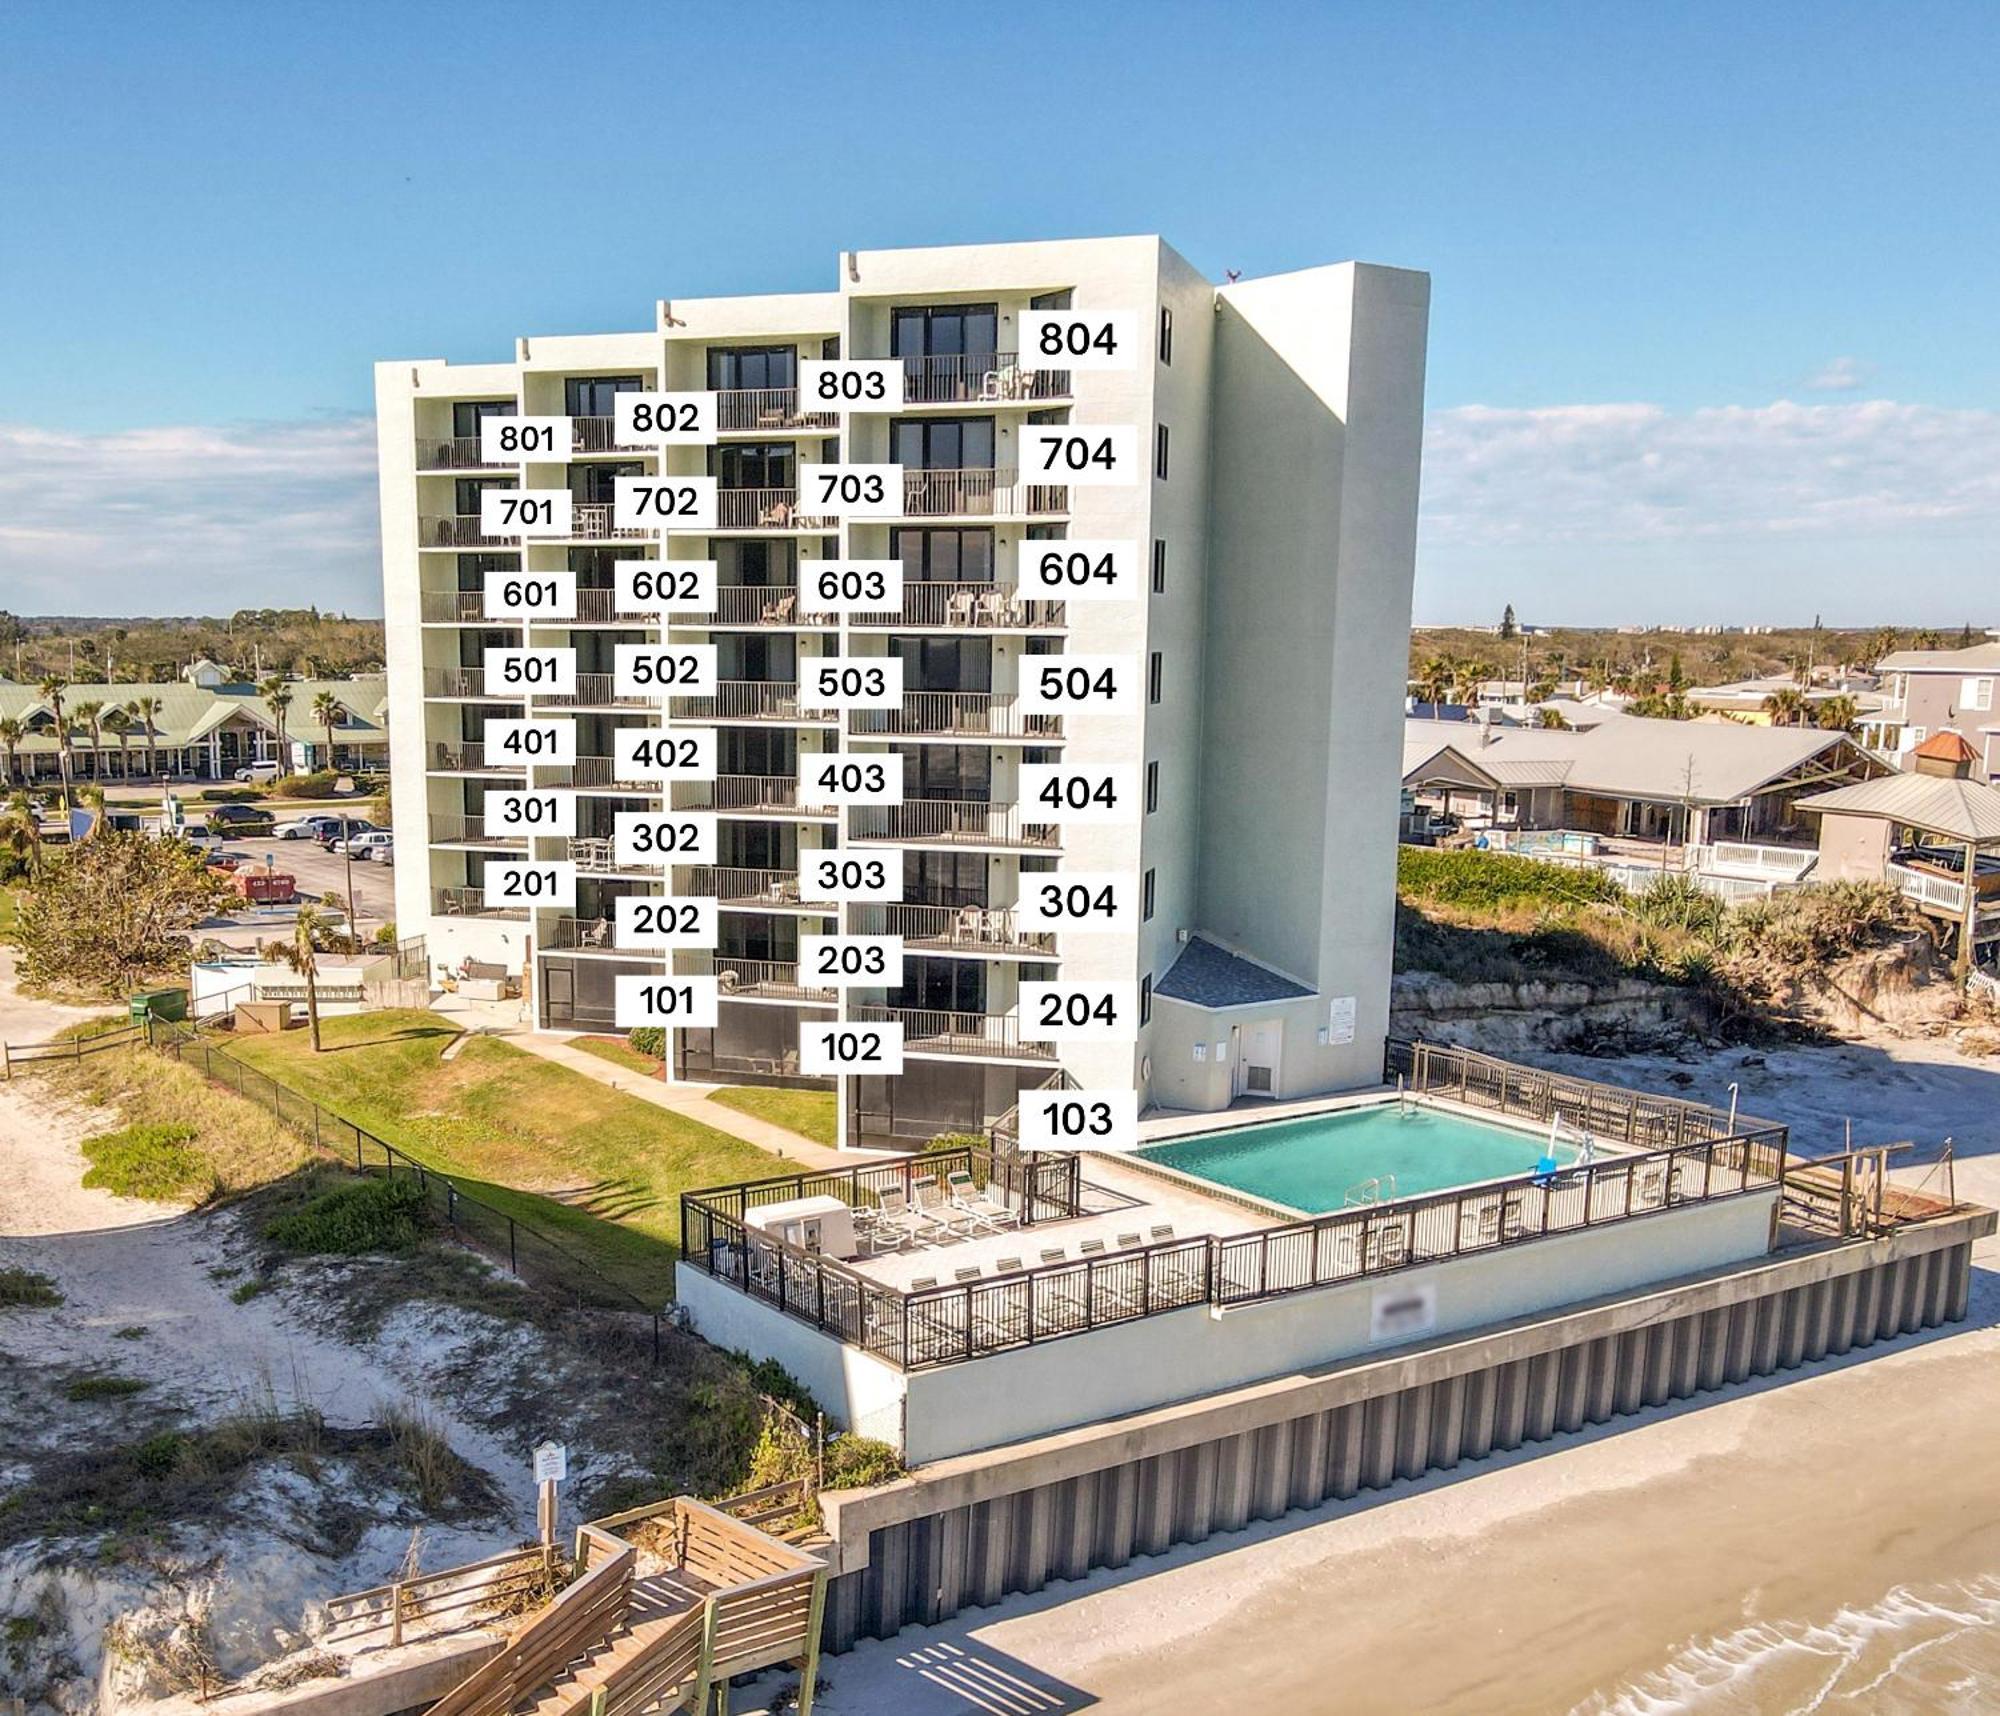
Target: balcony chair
(939,1210)
(960,608)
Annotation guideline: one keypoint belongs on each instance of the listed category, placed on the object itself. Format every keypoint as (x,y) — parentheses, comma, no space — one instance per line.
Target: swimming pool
(1326,1161)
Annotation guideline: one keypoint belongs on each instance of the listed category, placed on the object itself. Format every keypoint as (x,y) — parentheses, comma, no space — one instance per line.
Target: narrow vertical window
(1146,999)
(1166,335)
(1160,452)
(1159,566)
(1152,788)
(1154,674)
(1151,875)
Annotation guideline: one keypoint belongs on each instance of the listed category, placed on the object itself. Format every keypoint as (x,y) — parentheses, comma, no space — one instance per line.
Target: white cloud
(184,520)
(1841,375)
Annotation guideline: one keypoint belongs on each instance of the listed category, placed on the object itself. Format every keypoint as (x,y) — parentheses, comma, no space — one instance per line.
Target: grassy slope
(596,1169)
(619,1053)
(809,1113)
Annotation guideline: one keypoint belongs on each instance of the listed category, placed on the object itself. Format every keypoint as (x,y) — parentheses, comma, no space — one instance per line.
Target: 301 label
(1058,792)
(640,838)
(838,876)
(664,586)
(852,682)
(663,670)
(663,419)
(847,777)
(1102,684)
(1078,901)
(1081,571)
(850,586)
(677,1002)
(545,672)
(1088,455)
(663,754)
(663,503)
(1079,339)
(518,741)
(850,961)
(510,440)
(524,512)
(851,491)
(850,384)
(530,595)
(531,812)
(531,885)
(1079,1120)
(831,1046)
(665,920)
(1079,1012)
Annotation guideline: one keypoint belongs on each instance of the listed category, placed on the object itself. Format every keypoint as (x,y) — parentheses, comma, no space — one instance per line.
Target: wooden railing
(579,1621)
(14,1056)
(463,1594)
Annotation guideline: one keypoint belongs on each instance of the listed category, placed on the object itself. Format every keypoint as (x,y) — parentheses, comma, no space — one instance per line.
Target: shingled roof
(1209,975)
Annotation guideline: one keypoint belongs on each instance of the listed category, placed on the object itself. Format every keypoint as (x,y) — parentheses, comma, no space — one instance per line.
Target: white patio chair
(978,1204)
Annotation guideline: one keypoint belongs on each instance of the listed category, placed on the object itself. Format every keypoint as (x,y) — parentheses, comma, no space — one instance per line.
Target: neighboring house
(1486,774)
(1930,691)
(1744,699)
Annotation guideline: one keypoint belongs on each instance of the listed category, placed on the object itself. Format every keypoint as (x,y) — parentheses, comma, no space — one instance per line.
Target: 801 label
(510,440)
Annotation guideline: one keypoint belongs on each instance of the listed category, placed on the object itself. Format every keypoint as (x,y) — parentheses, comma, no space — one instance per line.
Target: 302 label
(664,586)
(850,384)
(1080,455)
(511,440)
(1078,901)
(663,419)
(517,741)
(1079,1120)
(663,503)
(1079,1012)
(1081,571)
(677,1002)
(641,839)
(837,876)
(531,812)
(545,672)
(663,670)
(530,595)
(1058,792)
(850,586)
(1079,339)
(851,491)
(1102,684)
(850,961)
(663,754)
(664,921)
(853,682)
(525,512)
(530,885)
(828,1047)
(850,778)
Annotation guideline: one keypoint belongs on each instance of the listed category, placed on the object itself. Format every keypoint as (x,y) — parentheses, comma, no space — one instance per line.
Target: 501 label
(831,1046)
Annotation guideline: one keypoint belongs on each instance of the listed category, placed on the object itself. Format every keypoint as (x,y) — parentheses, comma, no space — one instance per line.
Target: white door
(1259,1048)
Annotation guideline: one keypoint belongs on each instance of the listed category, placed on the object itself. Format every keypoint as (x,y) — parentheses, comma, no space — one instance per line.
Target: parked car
(230,821)
(367,841)
(260,774)
(318,826)
(383,854)
(330,839)
(221,860)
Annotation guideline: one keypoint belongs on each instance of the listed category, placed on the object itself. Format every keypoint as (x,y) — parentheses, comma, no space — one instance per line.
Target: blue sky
(1714,302)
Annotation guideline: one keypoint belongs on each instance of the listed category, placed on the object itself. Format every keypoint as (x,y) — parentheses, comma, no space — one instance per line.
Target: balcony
(975,1036)
(458,453)
(955,715)
(471,903)
(740,793)
(470,758)
(460,530)
(987,378)
(593,691)
(749,605)
(598,854)
(931,604)
(592,935)
(753,979)
(979,494)
(764,509)
(951,822)
(452,829)
(767,411)
(466,682)
(774,890)
(967,930)
(589,435)
(457,608)
(750,700)
(592,521)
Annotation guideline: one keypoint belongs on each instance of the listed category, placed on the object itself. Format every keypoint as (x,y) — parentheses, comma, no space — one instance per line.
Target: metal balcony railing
(992,378)
(456,453)
(976,1035)
(593,521)
(449,828)
(764,509)
(963,929)
(460,530)
(597,772)
(969,607)
(748,700)
(471,758)
(600,435)
(455,607)
(956,714)
(471,903)
(759,605)
(744,792)
(589,935)
(598,853)
(753,979)
(735,886)
(593,691)
(957,822)
(466,682)
(774,410)
(978,494)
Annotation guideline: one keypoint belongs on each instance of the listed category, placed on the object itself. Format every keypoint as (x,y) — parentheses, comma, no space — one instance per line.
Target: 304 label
(1078,901)
(850,586)
(1079,1120)
(663,670)
(1086,455)
(851,491)
(851,778)
(676,1002)
(530,885)
(1058,792)
(518,741)
(850,384)
(1102,684)
(663,503)
(853,682)
(850,961)
(530,595)
(665,920)
(1081,571)
(838,876)
(525,512)
(663,754)
(545,672)
(511,440)
(1079,339)
(828,1047)
(640,838)
(531,812)
(1079,1012)
(664,586)
(663,419)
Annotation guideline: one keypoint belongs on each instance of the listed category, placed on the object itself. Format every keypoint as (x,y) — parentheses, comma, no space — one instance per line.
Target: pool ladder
(1370,1191)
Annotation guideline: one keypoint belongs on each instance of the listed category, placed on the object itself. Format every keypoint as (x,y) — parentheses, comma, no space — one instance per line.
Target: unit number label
(1078,900)
(853,682)
(838,876)
(524,512)
(510,440)
(674,1001)
(530,813)
(1080,1120)
(531,885)
(1080,571)
(1056,792)
(1079,1012)
(1087,455)
(839,1046)
(1101,684)
(850,961)
(664,586)
(664,503)
(662,754)
(663,419)
(849,384)
(1079,339)
(851,491)
(850,586)
(662,920)
(518,741)
(663,670)
(531,595)
(546,672)
(850,778)
(644,837)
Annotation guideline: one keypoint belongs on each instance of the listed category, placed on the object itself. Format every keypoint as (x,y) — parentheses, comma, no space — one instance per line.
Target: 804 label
(834,1046)
(1079,339)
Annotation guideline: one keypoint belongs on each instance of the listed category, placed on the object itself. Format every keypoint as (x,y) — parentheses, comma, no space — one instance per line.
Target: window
(942,443)
(734,369)
(1160,452)
(944,330)
(943,556)
(1975,694)
(1159,566)
(1147,911)
(595,395)
(1154,673)
(468,414)
(1146,999)
(1152,788)
(1166,335)
(755,465)
(1916,735)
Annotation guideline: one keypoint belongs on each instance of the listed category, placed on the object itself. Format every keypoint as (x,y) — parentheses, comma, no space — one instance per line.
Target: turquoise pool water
(1316,1163)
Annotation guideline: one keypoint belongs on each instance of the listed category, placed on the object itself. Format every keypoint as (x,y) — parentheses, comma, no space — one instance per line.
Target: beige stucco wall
(1852,848)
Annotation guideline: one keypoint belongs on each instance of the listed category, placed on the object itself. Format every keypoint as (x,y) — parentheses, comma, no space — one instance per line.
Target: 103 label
(850,586)
(1079,339)
(850,384)
(641,838)
(1080,571)
(530,885)
(663,503)
(850,961)
(840,1046)
(664,586)
(1063,684)
(664,920)
(518,672)
(531,813)
(838,876)
(1057,792)
(676,1002)
(1080,455)
(530,596)
(663,754)
(524,512)
(663,419)
(1080,1120)
(663,670)
(1077,901)
(511,440)
(1079,1012)
(518,741)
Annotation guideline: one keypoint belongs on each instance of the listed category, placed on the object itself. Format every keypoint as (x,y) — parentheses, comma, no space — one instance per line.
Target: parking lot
(318,873)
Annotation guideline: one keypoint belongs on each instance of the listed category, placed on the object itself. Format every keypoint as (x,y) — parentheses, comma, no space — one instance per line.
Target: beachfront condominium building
(1108,676)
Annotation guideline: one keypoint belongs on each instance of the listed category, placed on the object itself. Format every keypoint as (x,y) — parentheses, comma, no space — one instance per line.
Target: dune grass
(810,1113)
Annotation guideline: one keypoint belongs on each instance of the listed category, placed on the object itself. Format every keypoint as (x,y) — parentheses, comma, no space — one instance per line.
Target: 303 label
(1080,1120)
(531,885)
(1057,792)
(663,754)
(530,595)
(848,778)
(531,813)
(1088,455)
(545,672)
(664,586)
(850,384)
(663,419)
(850,961)
(1079,1012)
(1079,571)
(850,586)
(512,440)
(663,503)
(1079,339)
(663,670)
(853,682)
(838,877)
(665,920)
(1101,684)
(1078,901)
(525,512)
(851,491)
(827,1047)
(518,741)
(642,838)
(676,1002)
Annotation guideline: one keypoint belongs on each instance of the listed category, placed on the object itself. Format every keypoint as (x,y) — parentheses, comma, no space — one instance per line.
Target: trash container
(161,1003)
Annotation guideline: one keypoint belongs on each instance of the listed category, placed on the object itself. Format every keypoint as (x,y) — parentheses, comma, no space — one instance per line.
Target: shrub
(231,794)
(150,1159)
(361,1217)
(27,1289)
(855,1462)
(648,1040)
(84,1388)
(1489,879)
(1679,902)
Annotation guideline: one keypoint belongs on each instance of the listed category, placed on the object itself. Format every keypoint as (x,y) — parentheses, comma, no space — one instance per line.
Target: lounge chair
(895,1218)
(970,1273)
(1130,1241)
(939,1210)
(1163,1233)
(978,1205)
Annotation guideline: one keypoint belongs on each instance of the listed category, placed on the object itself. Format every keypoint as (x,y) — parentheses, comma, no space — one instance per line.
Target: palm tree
(118,723)
(1837,714)
(147,709)
(277,695)
(1434,681)
(90,717)
(301,956)
(326,711)
(22,832)
(52,689)
(11,735)
(1787,707)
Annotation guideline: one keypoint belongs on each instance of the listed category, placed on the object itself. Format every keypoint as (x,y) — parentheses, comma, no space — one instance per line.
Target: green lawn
(591,1167)
(809,1113)
(619,1053)
(10,912)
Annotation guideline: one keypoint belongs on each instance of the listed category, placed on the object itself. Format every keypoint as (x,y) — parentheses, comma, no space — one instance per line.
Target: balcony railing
(458,453)
(956,714)
(1927,889)
(455,607)
(466,682)
(764,509)
(471,903)
(956,929)
(449,828)
(950,821)
(598,853)
(753,979)
(593,521)
(976,1035)
(460,530)
(969,607)
(590,935)
(734,886)
(978,494)
(992,378)
(597,772)
(744,792)
(773,409)
(600,435)
(758,605)
(593,691)
(748,700)
(470,758)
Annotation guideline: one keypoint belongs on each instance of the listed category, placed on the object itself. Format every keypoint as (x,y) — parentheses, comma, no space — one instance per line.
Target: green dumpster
(161,1003)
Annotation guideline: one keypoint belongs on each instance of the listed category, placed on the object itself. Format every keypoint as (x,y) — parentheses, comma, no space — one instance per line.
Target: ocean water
(1922,1650)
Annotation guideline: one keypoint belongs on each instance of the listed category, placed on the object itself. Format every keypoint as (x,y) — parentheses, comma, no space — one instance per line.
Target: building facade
(1264,520)
(1932,691)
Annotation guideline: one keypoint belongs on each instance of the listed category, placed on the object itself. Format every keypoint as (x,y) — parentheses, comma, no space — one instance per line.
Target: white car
(360,845)
(259,774)
(306,827)
(383,854)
